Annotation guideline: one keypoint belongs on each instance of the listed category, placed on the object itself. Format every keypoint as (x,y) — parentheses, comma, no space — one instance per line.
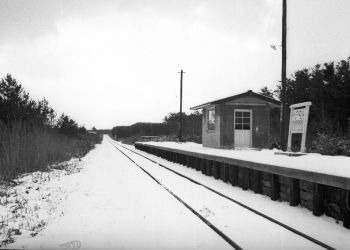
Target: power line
(267,33)
(242,17)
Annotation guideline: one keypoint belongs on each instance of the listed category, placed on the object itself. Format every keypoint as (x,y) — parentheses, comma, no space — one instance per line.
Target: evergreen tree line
(327,86)
(16,106)
(31,137)
(168,129)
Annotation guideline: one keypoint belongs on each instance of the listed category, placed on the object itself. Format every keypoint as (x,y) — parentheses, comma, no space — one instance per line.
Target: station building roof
(249,93)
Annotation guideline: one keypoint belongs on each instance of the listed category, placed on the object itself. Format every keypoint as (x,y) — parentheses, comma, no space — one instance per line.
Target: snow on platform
(338,166)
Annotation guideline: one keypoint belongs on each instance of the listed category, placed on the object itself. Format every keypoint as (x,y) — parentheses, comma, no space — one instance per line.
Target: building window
(211,120)
(242,120)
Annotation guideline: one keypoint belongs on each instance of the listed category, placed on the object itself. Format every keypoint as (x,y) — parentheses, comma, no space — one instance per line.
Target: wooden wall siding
(211,138)
(306,194)
(279,184)
(333,201)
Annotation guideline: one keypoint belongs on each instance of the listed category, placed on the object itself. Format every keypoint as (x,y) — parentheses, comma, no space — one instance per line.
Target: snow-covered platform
(319,183)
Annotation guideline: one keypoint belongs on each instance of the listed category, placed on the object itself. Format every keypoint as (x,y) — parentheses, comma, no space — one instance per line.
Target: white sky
(108,63)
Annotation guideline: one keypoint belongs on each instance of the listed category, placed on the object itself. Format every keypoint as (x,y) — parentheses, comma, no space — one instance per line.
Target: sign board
(299,115)
(297,120)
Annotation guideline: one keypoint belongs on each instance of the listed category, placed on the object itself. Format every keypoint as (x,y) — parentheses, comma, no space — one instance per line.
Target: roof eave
(201,106)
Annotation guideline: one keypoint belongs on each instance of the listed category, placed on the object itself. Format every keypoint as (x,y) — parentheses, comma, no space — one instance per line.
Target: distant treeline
(191,128)
(104,131)
(31,137)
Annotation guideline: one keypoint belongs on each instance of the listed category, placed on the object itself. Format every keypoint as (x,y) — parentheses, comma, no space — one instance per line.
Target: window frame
(210,122)
(243,118)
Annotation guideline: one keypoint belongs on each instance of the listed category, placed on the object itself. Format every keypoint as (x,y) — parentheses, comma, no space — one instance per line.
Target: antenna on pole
(180,116)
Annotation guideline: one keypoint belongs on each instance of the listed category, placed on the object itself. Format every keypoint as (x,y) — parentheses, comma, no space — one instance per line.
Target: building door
(243,128)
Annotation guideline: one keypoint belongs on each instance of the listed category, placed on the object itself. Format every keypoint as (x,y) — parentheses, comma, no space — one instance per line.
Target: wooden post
(180,115)
(203,167)
(193,162)
(317,201)
(197,164)
(188,160)
(208,171)
(257,181)
(245,175)
(284,75)
(275,187)
(346,202)
(294,192)
(216,170)
(233,175)
(224,172)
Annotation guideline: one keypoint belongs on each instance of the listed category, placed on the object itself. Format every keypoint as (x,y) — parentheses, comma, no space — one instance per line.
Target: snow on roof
(234,97)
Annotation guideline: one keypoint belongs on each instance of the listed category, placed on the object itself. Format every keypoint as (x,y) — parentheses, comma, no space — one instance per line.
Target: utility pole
(284,78)
(180,116)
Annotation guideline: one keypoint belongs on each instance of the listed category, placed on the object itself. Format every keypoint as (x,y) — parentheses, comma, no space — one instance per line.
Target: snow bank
(28,207)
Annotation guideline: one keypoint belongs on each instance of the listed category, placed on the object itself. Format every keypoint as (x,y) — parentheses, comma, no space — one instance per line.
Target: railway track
(127,152)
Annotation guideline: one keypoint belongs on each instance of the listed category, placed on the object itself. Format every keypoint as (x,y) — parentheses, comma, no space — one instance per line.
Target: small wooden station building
(239,121)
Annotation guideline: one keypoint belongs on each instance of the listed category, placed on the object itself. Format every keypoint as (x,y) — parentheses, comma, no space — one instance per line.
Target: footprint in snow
(206,212)
(75,244)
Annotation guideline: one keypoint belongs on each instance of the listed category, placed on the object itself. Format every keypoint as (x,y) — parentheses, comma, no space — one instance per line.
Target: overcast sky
(108,63)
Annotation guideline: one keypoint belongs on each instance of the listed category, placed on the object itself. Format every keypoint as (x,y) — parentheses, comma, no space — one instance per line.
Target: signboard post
(299,115)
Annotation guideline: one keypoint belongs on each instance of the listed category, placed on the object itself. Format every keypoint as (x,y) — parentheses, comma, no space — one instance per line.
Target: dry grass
(25,149)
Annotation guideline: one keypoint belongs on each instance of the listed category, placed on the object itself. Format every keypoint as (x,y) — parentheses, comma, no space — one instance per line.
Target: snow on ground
(116,205)
(111,203)
(332,165)
(323,228)
(26,208)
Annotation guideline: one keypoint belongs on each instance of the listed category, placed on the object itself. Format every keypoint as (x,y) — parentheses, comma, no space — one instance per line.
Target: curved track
(225,237)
